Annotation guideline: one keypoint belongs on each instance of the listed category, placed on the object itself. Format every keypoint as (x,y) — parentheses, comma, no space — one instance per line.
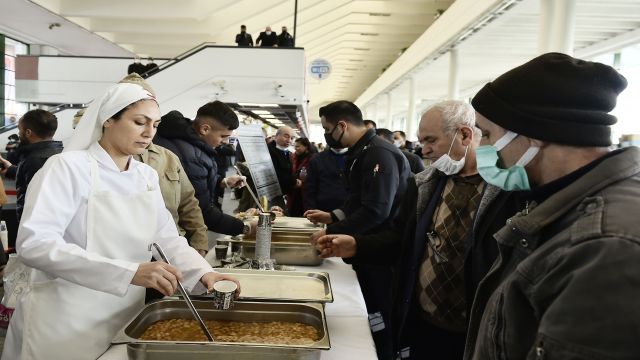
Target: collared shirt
(178,194)
(53,232)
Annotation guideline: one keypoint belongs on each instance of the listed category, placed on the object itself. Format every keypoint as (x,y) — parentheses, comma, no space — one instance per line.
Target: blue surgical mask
(513,178)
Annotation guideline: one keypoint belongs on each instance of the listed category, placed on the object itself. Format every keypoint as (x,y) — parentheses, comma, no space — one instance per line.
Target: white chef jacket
(52,237)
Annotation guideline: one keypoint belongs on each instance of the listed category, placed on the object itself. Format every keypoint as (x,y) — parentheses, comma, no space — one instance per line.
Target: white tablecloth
(346,317)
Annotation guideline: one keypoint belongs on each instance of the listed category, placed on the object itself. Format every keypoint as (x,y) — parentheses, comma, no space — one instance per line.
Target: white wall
(234,74)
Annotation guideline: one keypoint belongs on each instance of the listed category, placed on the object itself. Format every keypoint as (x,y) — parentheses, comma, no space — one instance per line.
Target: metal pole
(295,21)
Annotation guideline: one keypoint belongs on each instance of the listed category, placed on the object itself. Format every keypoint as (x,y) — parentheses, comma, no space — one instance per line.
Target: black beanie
(554,98)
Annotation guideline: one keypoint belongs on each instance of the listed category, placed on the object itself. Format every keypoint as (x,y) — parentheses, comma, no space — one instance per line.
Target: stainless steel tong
(186,297)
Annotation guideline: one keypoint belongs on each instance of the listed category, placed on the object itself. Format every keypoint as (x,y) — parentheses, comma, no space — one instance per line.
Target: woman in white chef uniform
(90,214)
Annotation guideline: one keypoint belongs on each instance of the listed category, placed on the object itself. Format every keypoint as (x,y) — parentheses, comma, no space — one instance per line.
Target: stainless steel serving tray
(312,314)
(294,286)
(295,222)
(288,247)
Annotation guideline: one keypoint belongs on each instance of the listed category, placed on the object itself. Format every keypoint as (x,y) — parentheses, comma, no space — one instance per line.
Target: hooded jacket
(198,160)
(32,158)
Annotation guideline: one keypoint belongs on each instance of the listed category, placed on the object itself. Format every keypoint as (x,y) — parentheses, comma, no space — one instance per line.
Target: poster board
(256,154)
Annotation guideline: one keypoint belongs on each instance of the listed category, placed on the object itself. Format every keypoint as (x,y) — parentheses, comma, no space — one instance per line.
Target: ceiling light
(261,112)
(362,49)
(369,34)
(268,116)
(351,69)
(356,60)
(379,14)
(260,105)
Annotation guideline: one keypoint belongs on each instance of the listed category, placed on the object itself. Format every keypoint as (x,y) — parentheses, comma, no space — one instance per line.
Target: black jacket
(283,167)
(267,40)
(32,158)
(198,160)
(244,39)
(325,187)
(415,161)
(285,40)
(377,174)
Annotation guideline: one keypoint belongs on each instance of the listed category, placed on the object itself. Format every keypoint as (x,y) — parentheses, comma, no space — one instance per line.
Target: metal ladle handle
(255,198)
(186,297)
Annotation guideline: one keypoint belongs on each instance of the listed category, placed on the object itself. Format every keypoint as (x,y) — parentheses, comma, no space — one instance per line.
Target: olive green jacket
(566,283)
(179,196)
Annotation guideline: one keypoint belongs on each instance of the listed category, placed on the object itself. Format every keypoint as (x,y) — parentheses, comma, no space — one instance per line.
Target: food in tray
(273,332)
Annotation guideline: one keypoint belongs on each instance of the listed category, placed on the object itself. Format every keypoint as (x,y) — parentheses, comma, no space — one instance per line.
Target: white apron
(66,321)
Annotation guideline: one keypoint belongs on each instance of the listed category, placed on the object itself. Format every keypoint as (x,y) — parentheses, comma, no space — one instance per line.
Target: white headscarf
(116,98)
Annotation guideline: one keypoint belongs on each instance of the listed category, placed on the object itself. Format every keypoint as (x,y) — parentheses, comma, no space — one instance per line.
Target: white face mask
(446,164)
(268,32)
(283,148)
(397,143)
(339,151)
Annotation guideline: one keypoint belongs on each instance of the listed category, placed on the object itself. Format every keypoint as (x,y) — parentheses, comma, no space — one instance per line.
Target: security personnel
(377,175)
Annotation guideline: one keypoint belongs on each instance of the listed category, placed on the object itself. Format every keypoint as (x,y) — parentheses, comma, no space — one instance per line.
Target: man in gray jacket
(566,281)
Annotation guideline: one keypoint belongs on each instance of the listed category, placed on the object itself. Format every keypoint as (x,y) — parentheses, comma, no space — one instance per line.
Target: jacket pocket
(171,190)
(546,348)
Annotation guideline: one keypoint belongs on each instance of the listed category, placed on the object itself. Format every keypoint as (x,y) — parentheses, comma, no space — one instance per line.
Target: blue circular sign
(320,69)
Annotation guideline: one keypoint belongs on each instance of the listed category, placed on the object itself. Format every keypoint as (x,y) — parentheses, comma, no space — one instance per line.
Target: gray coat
(567,281)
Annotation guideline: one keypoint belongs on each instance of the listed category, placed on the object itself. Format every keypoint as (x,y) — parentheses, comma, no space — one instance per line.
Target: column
(387,120)
(411,125)
(563,28)
(454,79)
(546,22)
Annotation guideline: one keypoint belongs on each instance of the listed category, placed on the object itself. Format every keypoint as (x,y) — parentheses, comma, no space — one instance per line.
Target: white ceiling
(508,41)
(358,37)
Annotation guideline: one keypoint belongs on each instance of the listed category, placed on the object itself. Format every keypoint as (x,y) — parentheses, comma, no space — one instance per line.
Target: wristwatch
(246,229)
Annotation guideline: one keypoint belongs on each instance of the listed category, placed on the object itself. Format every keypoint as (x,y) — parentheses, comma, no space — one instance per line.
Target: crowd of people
(518,240)
(266,38)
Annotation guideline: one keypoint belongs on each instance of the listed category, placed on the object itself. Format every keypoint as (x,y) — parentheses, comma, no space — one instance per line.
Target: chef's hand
(158,275)
(317,235)
(318,216)
(233,181)
(343,246)
(211,278)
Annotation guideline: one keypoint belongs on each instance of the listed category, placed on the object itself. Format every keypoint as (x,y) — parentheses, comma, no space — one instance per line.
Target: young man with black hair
(243,38)
(195,143)
(377,175)
(370,124)
(35,131)
(399,139)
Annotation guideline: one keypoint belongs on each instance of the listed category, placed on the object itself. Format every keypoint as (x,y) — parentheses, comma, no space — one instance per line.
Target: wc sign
(320,69)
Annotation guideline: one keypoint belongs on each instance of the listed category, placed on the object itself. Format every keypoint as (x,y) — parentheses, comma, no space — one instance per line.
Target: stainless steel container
(289,246)
(311,314)
(279,286)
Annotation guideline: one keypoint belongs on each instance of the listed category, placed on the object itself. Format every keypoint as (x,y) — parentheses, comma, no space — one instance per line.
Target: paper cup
(223,294)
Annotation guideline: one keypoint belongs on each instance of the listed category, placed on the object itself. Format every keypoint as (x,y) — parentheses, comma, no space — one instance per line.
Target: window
(10,110)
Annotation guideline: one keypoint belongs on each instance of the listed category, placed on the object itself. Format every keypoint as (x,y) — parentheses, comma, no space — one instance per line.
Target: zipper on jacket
(540,353)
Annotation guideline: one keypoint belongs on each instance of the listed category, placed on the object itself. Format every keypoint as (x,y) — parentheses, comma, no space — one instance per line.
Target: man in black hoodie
(35,130)
(194,143)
